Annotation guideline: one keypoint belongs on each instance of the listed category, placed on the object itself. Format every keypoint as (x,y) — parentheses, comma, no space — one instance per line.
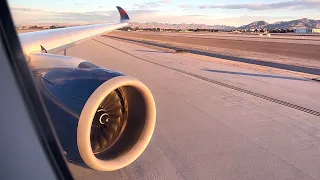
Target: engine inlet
(109,122)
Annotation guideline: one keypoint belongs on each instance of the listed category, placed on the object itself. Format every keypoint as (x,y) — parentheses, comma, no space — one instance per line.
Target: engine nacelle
(103,118)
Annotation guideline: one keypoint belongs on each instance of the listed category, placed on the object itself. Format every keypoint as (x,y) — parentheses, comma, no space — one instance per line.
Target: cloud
(195,15)
(151,5)
(24,16)
(78,4)
(25,9)
(294,4)
(100,7)
(186,6)
(165,1)
(35,16)
(148,5)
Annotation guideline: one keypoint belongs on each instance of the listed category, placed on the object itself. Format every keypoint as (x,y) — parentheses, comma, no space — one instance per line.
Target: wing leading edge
(56,40)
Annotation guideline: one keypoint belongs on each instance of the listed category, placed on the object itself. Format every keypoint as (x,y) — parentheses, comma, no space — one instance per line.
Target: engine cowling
(102,118)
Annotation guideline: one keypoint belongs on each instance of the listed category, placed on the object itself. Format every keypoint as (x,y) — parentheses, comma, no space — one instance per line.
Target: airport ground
(27,30)
(216,119)
(283,49)
(274,37)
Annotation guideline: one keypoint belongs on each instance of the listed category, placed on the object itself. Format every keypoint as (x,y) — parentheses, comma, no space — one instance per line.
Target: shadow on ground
(256,75)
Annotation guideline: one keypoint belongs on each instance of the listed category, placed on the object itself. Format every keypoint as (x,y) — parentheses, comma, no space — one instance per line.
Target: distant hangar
(307,31)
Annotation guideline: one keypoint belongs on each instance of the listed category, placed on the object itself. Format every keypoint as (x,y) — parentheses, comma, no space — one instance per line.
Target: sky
(212,12)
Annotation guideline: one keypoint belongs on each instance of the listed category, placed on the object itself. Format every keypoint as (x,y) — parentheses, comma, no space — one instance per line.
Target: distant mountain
(179,26)
(255,25)
(294,24)
(300,23)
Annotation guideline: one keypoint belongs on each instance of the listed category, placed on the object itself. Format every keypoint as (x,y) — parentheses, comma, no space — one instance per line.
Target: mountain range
(178,26)
(299,23)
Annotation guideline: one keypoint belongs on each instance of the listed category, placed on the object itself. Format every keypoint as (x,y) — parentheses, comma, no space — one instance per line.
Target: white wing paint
(56,40)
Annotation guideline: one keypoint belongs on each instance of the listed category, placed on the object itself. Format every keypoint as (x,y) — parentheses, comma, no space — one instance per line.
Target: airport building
(315,31)
(306,31)
(301,30)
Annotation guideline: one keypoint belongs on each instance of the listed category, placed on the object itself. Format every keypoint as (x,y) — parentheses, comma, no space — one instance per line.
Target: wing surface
(56,40)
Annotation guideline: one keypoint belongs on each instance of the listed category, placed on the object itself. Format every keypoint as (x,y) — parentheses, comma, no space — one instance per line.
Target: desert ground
(27,30)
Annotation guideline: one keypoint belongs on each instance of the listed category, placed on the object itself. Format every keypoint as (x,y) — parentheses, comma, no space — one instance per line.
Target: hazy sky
(231,12)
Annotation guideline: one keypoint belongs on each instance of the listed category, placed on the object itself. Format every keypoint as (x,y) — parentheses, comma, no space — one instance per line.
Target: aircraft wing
(56,40)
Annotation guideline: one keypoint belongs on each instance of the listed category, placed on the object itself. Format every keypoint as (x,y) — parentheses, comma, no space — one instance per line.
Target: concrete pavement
(208,131)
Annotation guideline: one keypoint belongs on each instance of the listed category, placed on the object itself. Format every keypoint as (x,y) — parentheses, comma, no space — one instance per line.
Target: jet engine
(102,118)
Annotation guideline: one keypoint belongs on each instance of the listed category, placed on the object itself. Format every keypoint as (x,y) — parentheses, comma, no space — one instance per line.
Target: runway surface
(275,37)
(298,50)
(213,121)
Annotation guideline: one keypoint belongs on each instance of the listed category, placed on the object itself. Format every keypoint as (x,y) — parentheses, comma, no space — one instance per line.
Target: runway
(237,43)
(275,37)
(213,121)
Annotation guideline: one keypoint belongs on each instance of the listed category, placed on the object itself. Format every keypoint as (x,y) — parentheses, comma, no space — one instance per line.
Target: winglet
(123,14)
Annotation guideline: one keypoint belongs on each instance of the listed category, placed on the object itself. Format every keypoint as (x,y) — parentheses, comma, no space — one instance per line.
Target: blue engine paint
(65,92)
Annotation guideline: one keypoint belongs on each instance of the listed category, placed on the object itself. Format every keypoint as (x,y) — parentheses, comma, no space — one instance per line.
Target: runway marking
(293,106)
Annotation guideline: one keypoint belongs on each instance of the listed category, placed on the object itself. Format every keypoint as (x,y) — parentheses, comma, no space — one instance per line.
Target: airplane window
(169,89)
